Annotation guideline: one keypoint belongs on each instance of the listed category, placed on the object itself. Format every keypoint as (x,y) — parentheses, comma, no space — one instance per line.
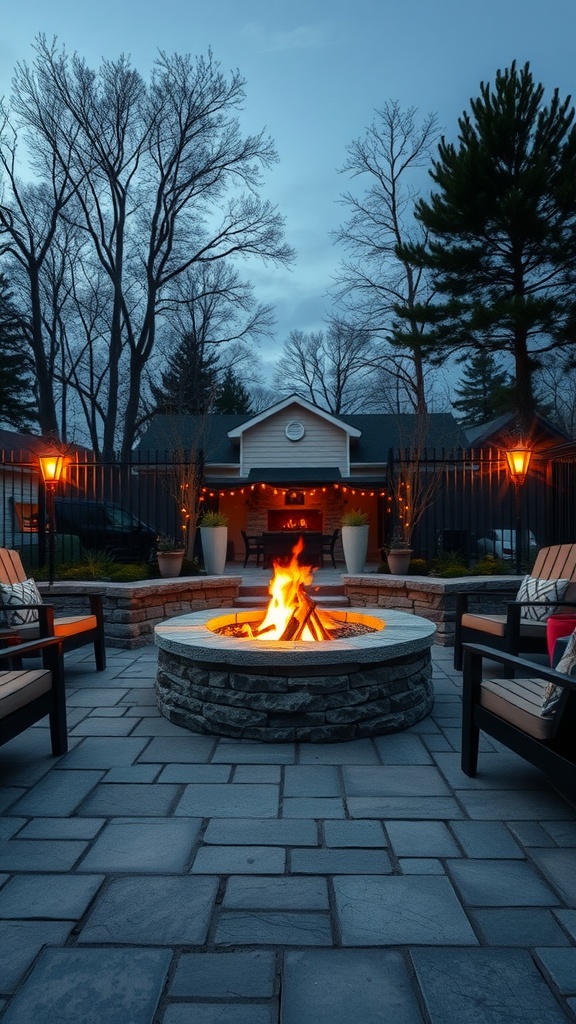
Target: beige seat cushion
(518,701)
(20,688)
(496,625)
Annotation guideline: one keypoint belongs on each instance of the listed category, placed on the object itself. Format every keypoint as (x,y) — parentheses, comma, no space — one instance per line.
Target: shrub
(449,564)
(491,566)
(214,519)
(97,565)
(166,543)
(355,518)
(418,567)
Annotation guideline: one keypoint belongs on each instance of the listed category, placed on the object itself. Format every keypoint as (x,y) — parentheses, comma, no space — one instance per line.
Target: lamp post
(518,459)
(51,467)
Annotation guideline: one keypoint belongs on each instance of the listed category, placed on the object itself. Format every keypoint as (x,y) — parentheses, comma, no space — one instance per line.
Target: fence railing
(474,496)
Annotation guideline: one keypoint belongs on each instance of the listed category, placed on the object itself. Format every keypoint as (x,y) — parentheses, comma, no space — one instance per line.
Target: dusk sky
(315,72)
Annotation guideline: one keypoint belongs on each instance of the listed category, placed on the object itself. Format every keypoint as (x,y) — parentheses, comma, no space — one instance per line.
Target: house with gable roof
(294,466)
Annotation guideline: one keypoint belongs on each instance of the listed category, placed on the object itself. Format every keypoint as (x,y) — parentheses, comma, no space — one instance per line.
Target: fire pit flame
(291,613)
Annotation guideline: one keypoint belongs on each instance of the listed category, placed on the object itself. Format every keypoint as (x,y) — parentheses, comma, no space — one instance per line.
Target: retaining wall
(434,599)
(131,610)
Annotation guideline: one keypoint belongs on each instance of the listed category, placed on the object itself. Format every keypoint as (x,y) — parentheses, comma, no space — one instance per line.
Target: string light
(312,493)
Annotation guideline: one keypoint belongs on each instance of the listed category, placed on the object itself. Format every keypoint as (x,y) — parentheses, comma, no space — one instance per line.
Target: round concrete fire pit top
(395,634)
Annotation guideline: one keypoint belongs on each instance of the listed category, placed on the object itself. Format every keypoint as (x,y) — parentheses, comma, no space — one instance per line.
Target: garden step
(255,596)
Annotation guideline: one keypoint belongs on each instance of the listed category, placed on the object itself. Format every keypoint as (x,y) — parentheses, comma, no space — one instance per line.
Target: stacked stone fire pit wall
(433,599)
(295,691)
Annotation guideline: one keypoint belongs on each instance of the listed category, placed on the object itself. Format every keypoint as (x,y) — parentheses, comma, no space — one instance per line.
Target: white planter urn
(214,545)
(355,545)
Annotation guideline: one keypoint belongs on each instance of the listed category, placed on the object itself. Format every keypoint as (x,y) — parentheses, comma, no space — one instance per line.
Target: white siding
(266,443)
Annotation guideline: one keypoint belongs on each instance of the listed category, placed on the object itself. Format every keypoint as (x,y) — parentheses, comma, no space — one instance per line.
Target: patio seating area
(155,876)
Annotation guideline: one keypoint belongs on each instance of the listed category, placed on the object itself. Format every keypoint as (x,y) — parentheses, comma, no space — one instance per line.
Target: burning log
(304,615)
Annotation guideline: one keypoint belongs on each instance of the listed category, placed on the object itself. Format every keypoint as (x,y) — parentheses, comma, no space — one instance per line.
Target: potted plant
(398,555)
(399,551)
(214,534)
(170,555)
(355,540)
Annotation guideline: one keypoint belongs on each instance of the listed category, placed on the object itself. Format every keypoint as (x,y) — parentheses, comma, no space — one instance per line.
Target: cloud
(302,37)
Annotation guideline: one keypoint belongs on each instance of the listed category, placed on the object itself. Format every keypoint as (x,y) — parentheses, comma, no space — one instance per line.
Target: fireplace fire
(295,519)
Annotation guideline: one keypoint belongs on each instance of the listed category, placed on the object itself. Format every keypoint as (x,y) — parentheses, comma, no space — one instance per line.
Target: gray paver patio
(157,876)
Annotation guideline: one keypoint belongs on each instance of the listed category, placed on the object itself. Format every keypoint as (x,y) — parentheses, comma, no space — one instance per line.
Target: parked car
(502,544)
(105,526)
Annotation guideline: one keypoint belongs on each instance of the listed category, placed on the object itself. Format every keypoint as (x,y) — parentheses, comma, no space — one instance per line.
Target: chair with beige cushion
(521,628)
(23,612)
(529,708)
(27,696)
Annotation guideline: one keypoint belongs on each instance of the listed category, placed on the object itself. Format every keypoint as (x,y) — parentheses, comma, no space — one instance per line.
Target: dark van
(105,526)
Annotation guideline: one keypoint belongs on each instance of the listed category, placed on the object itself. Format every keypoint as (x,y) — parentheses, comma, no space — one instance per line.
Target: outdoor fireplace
(363,675)
(295,519)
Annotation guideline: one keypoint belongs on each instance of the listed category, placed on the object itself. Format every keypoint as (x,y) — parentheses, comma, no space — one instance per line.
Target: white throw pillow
(553,692)
(545,592)
(14,594)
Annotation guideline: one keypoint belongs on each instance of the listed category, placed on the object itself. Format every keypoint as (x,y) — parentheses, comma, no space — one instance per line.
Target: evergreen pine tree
(189,382)
(232,396)
(501,229)
(485,391)
(17,403)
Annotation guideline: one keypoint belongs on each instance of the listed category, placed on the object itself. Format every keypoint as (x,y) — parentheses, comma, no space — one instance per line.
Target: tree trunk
(47,417)
(525,404)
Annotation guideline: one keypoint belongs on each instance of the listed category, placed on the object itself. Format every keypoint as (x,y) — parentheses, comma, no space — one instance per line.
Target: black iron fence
(473,499)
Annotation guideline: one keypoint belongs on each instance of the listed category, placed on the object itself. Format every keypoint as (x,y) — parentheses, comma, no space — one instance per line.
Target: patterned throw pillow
(14,594)
(545,592)
(553,692)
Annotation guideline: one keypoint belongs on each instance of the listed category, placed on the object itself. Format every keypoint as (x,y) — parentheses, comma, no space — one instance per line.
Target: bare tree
(332,370)
(374,280)
(162,179)
(29,216)
(555,386)
(262,397)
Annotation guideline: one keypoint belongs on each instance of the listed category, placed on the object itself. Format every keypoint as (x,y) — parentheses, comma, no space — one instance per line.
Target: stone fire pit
(281,691)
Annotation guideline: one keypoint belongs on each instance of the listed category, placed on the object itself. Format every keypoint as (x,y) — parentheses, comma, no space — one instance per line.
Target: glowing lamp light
(51,467)
(518,461)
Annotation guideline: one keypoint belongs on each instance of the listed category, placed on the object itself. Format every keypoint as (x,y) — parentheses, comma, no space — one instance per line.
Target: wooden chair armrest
(474,653)
(49,647)
(96,601)
(45,616)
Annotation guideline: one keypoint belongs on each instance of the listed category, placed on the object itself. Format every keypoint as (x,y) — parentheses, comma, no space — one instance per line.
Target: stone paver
(152,911)
(492,986)
(159,877)
(96,985)
(341,986)
(135,845)
(416,910)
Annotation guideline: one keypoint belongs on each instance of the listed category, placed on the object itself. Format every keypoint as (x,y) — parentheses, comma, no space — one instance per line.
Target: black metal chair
(328,545)
(253,546)
(27,696)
